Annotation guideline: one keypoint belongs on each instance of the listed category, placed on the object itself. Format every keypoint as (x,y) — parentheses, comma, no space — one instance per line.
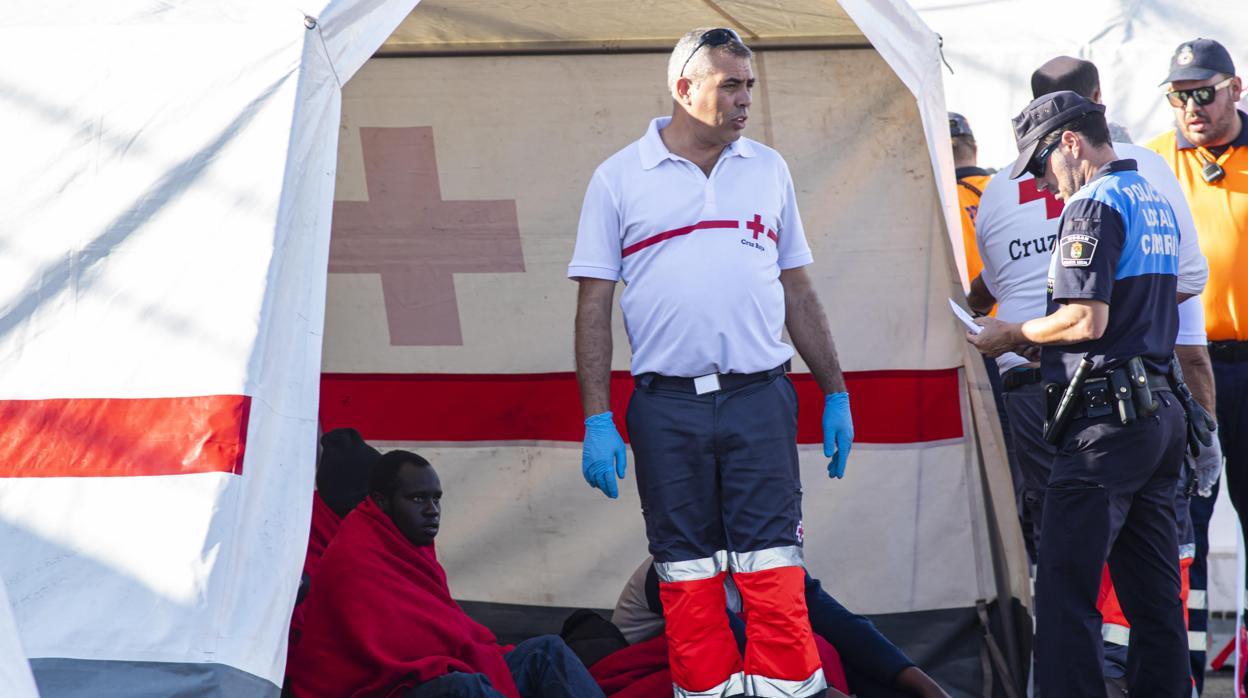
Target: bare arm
(1077,321)
(808,328)
(593,344)
(980,299)
(1198,374)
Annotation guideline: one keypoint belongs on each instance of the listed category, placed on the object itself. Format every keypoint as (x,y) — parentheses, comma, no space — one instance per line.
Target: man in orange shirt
(971,182)
(1208,151)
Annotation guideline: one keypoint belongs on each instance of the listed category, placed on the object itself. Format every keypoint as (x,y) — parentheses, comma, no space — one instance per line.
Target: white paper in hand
(965,318)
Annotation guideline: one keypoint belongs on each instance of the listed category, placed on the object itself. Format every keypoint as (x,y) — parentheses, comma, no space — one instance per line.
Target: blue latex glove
(603,452)
(838,432)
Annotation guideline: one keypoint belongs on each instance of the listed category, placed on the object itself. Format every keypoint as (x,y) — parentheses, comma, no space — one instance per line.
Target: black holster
(1200,424)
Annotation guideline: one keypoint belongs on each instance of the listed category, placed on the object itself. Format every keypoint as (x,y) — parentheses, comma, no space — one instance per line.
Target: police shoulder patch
(1077,250)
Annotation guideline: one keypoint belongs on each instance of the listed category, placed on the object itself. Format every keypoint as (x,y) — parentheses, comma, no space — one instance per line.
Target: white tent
(170,180)
(168,176)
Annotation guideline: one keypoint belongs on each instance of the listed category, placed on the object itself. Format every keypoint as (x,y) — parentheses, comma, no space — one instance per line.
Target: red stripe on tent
(669,234)
(889,407)
(113,437)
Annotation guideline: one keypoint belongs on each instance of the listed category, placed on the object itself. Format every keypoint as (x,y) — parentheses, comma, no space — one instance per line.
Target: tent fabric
(15,673)
(165,229)
(508,27)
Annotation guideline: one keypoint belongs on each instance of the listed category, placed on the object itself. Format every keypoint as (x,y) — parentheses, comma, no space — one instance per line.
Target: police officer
(702,226)
(1119,431)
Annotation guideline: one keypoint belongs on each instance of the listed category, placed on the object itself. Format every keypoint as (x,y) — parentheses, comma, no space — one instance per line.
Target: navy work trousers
(717,472)
(1111,496)
(1034,455)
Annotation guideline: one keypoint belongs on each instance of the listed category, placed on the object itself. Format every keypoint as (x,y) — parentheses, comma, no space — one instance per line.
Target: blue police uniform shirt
(1118,243)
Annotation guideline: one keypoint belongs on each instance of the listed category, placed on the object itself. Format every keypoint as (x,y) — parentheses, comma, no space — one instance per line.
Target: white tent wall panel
(166,235)
(15,674)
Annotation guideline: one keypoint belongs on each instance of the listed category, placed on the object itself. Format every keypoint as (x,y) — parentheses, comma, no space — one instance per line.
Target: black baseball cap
(1199,59)
(959,126)
(1042,117)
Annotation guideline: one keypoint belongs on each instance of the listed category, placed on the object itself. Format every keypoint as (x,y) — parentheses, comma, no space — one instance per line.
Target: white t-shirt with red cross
(700,256)
(1016,228)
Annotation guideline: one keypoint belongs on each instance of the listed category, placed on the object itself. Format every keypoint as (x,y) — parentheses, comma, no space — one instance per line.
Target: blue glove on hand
(838,432)
(603,452)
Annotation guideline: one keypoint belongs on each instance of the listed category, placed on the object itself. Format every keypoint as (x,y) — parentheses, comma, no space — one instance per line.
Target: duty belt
(1228,351)
(1100,386)
(1126,390)
(727,381)
(1016,378)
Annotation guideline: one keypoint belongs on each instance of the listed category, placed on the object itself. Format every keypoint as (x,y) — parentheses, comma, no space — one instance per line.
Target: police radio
(1212,171)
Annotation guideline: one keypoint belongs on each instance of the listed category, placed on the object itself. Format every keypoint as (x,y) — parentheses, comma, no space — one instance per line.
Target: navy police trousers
(1111,495)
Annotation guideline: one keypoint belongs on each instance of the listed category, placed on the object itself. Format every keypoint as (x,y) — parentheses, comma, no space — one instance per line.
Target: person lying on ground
(380,620)
(874,667)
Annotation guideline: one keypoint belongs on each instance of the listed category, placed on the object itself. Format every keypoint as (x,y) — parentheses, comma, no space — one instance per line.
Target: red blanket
(641,671)
(325,524)
(379,618)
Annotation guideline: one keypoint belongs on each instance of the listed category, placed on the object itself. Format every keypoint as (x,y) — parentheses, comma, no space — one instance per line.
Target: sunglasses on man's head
(1040,163)
(1203,95)
(712,38)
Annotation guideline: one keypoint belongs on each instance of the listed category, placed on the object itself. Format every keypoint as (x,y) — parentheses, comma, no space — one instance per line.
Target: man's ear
(683,86)
(1071,140)
(1237,89)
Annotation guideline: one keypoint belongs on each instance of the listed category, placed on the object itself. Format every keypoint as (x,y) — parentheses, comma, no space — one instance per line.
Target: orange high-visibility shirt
(1220,211)
(971,183)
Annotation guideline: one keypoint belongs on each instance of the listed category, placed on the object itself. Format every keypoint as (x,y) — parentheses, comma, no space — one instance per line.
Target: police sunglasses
(712,38)
(1204,96)
(1040,162)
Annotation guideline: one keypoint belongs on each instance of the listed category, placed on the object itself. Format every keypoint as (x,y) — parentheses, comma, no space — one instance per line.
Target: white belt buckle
(706,384)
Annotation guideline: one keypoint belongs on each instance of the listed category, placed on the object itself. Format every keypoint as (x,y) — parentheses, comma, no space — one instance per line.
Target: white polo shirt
(700,256)
(1016,227)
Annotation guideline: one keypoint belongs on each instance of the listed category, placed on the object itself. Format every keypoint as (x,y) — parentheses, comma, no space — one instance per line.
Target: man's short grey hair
(700,65)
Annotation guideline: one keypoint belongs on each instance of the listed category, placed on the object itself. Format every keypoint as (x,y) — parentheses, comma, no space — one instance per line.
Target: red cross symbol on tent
(756,226)
(416,241)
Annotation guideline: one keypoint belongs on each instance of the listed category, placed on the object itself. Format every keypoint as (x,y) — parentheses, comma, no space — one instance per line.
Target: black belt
(727,381)
(1156,382)
(1231,351)
(1016,378)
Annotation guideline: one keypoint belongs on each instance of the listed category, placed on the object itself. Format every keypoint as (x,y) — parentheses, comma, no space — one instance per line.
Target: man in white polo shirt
(703,228)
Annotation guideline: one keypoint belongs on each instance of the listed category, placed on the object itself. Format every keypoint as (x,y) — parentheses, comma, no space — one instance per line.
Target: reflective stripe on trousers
(692,570)
(780,688)
(735,685)
(1121,635)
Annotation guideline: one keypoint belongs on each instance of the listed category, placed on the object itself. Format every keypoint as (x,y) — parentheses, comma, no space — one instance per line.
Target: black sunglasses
(712,38)
(1203,95)
(1040,162)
